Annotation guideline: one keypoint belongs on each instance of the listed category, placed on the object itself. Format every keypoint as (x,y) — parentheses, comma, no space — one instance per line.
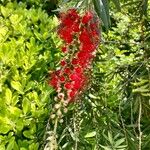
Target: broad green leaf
(4,128)
(8,96)
(15,18)
(5,11)
(17,86)
(26,105)
(28,134)
(90,134)
(11,144)
(15,111)
(16,147)
(34,146)
(2,147)
(19,124)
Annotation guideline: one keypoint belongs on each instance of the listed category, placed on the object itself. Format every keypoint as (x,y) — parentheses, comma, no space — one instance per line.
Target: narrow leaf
(117,4)
(101,12)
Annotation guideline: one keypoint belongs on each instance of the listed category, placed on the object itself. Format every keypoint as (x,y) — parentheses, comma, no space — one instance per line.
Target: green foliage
(27,44)
(113,114)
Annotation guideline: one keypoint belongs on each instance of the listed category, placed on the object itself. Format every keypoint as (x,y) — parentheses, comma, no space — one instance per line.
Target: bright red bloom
(87,48)
(63,63)
(72,94)
(78,70)
(68,22)
(68,85)
(75,27)
(64,49)
(72,13)
(74,61)
(67,70)
(77,85)
(87,17)
(62,78)
(66,34)
(54,82)
(85,37)
(75,77)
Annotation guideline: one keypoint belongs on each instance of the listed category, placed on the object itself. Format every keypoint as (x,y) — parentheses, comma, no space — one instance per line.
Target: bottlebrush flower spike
(87,17)
(81,38)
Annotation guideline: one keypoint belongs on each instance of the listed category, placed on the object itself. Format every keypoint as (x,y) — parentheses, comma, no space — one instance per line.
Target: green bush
(27,52)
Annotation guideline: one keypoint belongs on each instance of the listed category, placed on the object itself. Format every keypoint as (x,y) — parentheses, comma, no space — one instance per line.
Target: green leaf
(19,124)
(16,147)
(117,4)
(17,86)
(26,105)
(90,134)
(8,96)
(144,8)
(118,142)
(110,138)
(5,11)
(2,147)
(28,134)
(11,144)
(102,12)
(105,147)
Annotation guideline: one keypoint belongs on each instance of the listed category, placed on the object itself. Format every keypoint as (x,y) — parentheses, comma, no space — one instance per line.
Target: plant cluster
(81,38)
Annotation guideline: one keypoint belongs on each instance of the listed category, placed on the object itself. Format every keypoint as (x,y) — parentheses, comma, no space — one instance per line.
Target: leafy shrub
(27,52)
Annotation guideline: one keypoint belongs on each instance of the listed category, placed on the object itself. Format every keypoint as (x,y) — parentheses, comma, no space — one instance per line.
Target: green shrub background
(27,52)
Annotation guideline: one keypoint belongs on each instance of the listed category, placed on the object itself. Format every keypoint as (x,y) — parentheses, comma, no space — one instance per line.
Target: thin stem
(55,126)
(139,124)
(122,122)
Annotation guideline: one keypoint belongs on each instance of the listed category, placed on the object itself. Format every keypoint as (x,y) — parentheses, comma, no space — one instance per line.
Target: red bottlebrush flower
(66,34)
(75,27)
(81,55)
(67,70)
(77,85)
(68,22)
(64,49)
(72,94)
(68,85)
(74,61)
(87,47)
(87,17)
(74,77)
(72,13)
(54,80)
(62,78)
(71,78)
(63,63)
(85,37)
(57,72)
(78,70)
(94,26)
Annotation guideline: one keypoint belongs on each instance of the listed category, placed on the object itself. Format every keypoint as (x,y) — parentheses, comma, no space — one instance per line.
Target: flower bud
(53,116)
(59,113)
(57,106)
(61,120)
